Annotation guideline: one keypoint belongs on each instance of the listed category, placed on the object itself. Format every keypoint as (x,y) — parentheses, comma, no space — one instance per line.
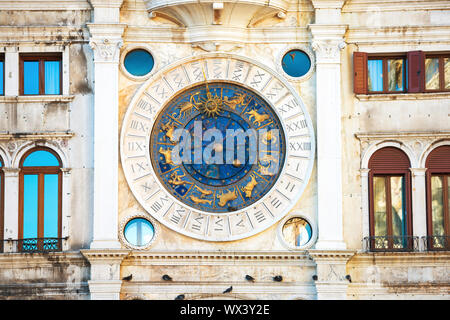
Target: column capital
(328,51)
(328,41)
(328,4)
(364,172)
(418,171)
(11,172)
(106,41)
(106,3)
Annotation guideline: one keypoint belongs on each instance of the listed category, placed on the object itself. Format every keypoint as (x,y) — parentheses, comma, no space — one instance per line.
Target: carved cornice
(214,257)
(331,255)
(105,256)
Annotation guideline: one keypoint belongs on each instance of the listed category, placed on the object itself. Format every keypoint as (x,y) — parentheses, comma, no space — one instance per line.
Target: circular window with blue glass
(138,62)
(297,232)
(296,63)
(138,232)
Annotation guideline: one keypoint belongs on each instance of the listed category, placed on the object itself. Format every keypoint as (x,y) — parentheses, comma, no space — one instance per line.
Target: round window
(297,232)
(138,62)
(139,232)
(296,63)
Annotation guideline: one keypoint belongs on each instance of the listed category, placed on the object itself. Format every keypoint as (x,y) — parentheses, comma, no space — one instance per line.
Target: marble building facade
(91,127)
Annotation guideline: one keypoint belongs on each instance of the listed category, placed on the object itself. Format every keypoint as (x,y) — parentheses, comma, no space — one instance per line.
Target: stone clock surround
(153,197)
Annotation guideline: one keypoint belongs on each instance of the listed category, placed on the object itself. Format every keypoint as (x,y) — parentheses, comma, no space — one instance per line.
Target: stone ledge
(36,136)
(408,259)
(403,96)
(37,99)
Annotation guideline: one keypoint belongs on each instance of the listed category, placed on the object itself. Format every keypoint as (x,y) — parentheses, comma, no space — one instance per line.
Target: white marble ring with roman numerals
(142,164)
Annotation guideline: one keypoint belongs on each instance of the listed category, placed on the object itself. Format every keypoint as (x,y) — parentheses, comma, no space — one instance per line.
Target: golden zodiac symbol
(175,179)
(225,197)
(238,99)
(268,136)
(167,155)
(258,118)
(197,200)
(203,192)
(169,127)
(265,170)
(186,108)
(248,189)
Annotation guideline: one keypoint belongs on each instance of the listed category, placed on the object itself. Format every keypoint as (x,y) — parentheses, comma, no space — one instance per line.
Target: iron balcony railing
(436,243)
(32,245)
(391,243)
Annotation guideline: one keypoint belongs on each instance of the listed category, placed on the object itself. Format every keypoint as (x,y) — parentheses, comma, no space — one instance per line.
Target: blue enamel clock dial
(217,147)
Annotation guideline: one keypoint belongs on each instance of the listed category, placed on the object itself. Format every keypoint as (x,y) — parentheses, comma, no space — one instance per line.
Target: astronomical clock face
(217,148)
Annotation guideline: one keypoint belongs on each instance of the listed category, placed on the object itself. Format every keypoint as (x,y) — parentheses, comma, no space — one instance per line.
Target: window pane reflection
(31,77)
(447,73)
(375,68)
(52,77)
(395,73)
(379,190)
(297,232)
(51,205)
(139,232)
(30,206)
(437,206)
(432,73)
(398,210)
(1,77)
(41,158)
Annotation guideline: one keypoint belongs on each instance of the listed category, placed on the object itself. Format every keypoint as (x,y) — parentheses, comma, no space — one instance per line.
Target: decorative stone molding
(211,12)
(37,99)
(217,258)
(414,144)
(403,96)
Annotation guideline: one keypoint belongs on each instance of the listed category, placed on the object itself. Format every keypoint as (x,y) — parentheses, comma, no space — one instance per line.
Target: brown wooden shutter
(416,71)
(360,72)
(439,159)
(388,159)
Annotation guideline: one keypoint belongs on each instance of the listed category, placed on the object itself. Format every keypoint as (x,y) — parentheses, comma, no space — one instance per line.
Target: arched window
(390,200)
(2,203)
(40,190)
(438,198)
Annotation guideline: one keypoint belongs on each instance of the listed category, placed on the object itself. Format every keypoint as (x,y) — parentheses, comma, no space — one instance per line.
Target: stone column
(364,173)
(11,208)
(419,205)
(105,280)
(66,194)
(11,80)
(106,40)
(332,281)
(327,44)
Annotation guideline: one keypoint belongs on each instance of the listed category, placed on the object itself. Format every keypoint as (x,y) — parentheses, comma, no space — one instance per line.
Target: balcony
(391,244)
(32,245)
